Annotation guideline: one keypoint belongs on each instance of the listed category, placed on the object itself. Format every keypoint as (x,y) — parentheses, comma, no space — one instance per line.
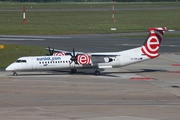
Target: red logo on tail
(151,47)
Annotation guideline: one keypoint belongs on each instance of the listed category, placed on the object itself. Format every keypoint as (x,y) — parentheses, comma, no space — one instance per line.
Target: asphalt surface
(91,42)
(145,91)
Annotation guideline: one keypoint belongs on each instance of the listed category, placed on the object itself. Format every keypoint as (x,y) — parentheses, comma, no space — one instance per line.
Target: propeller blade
(73,57)
(73,52)
(51,50)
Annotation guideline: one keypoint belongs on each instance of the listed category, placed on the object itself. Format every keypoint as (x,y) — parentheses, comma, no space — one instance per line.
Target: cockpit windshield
(21,61)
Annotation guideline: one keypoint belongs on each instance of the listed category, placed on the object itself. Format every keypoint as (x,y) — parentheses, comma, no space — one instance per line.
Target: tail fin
(151,46)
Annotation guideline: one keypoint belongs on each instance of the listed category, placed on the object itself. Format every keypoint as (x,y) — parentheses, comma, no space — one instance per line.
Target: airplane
(75,60)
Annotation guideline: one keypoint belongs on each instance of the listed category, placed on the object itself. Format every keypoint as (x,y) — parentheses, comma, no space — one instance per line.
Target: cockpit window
(18,61)
(21,61)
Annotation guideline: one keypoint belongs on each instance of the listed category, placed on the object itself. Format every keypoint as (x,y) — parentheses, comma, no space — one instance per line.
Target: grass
(82,22)
(55,23)
(11,52)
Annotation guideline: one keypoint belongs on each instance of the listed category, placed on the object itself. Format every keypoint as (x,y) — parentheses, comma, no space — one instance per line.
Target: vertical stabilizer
(151,46)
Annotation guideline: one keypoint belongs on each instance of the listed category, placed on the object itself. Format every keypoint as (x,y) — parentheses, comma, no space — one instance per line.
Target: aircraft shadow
(89,72)
(145,71)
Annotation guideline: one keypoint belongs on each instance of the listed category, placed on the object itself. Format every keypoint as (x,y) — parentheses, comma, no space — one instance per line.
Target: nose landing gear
(14,73)
(73,71)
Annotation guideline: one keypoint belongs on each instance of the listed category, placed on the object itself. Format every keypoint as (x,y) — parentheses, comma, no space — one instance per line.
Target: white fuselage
(63,62)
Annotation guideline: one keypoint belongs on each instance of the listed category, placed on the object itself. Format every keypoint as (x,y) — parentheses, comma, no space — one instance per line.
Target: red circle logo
(151,47)
(83,59)
(152,44)
(59,54)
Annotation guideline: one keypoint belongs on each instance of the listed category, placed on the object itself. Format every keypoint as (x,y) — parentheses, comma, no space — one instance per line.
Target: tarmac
(145,91)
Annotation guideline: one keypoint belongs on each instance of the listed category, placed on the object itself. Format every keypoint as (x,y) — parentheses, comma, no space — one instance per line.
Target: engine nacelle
(83,59)
(59,54)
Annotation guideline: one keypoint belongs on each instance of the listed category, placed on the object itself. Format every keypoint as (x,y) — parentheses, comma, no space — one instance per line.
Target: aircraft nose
(10,68)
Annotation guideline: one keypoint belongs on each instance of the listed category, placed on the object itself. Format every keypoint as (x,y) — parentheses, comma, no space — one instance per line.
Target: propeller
(51,51)
(73,57)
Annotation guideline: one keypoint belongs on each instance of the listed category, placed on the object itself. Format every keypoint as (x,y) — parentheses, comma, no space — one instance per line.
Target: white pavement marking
(18,39)
(118,118)
(16,36)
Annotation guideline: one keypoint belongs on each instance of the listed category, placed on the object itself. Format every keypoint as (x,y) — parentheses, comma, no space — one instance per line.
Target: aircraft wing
(102,57)
(103,54)
(56,50)
(98,55)
(62,51)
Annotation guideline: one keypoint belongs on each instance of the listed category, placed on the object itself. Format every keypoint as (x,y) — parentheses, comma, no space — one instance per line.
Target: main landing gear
(14,73)
(97,73)
(73,71)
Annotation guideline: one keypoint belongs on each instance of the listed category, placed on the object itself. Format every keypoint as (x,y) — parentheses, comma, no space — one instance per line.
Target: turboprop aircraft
(75,60)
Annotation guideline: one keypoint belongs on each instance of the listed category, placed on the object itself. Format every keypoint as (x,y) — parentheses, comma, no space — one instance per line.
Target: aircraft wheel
(97,73)
(73,71)
(15,74)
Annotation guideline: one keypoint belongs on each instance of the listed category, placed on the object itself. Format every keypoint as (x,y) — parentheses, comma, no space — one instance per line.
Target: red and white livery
(75,60)
(151,46)
(59,54)
(83,59)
